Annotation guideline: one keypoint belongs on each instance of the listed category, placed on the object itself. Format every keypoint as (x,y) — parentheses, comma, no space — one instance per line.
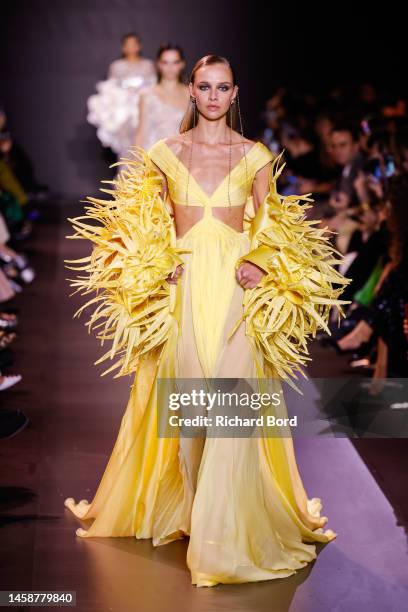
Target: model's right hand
(248,275)
(172,278)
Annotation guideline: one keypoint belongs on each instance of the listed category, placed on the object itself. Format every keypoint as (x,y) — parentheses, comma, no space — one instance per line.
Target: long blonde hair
(189,119)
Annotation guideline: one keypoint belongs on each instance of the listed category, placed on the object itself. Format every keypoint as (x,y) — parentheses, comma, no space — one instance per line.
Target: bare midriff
(187,216)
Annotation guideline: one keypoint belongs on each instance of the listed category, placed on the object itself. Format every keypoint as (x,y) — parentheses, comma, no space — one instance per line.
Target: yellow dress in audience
(241,501)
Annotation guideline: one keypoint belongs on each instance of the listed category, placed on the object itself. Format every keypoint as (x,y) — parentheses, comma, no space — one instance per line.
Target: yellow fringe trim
(133,253)
(293,300)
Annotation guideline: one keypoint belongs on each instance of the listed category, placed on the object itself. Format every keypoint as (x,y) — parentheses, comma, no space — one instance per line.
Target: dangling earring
(239,116)
(194,112)
(193,101)
(243,142)
(231,109)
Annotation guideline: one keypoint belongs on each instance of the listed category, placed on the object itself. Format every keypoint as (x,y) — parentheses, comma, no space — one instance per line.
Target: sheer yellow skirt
(240,500)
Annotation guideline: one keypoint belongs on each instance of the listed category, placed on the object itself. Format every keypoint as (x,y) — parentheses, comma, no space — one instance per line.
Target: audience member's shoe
(8,321)
(27,275)
(8,381)
(17,268)
(361,364)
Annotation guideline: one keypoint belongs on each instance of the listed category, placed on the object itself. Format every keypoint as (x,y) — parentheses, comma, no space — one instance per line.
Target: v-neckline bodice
(209,198)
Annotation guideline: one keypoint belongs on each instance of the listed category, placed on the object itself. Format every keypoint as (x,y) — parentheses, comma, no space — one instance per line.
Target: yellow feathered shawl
(294,298)
(133,252)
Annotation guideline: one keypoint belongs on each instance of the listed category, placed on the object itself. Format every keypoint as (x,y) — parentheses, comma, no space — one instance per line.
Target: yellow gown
(241,501)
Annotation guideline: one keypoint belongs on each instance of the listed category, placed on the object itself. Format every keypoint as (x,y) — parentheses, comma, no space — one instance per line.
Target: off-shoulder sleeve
(133,252)
(158,153)
(262,156)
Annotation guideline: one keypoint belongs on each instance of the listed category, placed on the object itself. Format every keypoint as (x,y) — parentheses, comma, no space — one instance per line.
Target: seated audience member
(385,316)
(303,161)
(345,150)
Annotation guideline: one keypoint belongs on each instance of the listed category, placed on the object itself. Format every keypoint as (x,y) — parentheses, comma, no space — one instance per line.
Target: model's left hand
(248,275)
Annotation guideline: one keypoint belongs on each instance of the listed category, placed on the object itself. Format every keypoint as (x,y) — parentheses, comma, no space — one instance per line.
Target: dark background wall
(52,53)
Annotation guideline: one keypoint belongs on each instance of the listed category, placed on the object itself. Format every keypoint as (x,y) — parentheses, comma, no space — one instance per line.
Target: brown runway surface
(74,418)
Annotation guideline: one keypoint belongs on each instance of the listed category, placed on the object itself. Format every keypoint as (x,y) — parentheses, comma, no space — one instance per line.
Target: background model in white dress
(114,110)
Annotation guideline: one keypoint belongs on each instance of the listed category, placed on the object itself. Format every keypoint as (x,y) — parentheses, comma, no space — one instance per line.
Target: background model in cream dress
(160,119)
(162,106)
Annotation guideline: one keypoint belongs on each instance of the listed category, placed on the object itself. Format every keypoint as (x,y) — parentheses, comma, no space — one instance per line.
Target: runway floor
(74,417)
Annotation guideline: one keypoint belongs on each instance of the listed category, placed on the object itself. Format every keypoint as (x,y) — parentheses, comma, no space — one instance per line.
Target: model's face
(131,46)
(213,90)
(343,148)
(170,65)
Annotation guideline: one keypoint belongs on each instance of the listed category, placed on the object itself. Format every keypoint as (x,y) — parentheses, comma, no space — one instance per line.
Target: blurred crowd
(20,196)
(349,149)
